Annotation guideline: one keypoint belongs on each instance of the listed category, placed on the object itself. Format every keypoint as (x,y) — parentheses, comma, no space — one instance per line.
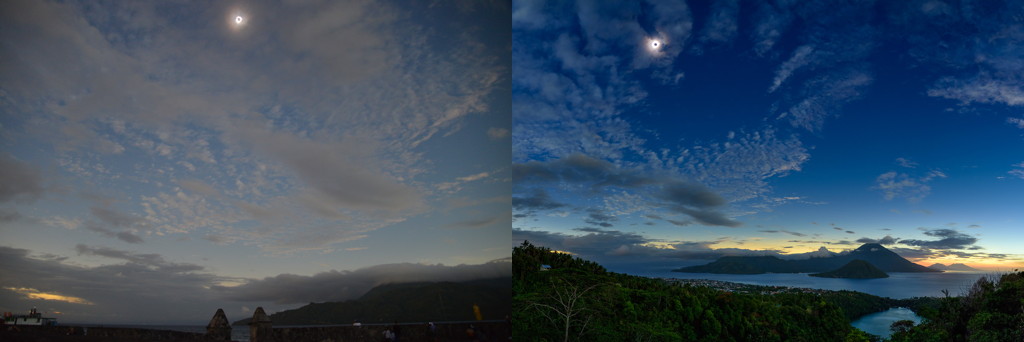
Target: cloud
(199,187)
(825,95)
(345,285)
(1018,170)
(948,239)
(19,181)
(496,133)
(906,163)
(569,91)
(680,223)
(486,221)
(596,243)
(828,68)
(537,200)
(328,117)
(36,294)
(739,168)
(146,288)
(599,217)
(529,14)
(115,218)
(1016,121)
(571,95)
(8,215)
(344,176)
(153,261)
(455,186)
(783,231)
(887,240)
(131,224)
(771,19)
(694,200)
(611,245)
(722,24)
(894,184)
(984,71)
(982,89)
(125,236)
(796,61)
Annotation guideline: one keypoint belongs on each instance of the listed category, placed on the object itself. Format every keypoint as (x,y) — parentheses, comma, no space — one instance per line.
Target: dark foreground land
(561,297)
(445,332)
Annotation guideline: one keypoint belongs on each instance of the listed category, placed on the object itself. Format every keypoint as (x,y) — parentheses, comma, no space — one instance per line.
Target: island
(953,267)
(856,269)
(874,253)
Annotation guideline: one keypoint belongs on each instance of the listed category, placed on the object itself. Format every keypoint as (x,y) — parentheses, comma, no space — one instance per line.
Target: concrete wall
(75,333)
(484,331)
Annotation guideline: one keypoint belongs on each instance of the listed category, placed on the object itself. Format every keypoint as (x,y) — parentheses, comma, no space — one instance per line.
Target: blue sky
(234,153)
(773,127)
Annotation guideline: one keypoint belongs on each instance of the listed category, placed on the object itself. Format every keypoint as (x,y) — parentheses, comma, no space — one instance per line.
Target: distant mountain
(953,267)
(856,269)
(408,302)
(873,253)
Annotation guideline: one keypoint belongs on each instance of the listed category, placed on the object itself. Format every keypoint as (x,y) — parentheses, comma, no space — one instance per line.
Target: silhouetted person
(431,332)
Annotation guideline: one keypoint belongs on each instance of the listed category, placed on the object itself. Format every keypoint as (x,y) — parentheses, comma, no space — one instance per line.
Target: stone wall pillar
(219,328)
(260,329)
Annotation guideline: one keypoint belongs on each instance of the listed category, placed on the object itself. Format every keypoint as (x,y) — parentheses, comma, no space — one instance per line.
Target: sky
(673,133)
(161,160)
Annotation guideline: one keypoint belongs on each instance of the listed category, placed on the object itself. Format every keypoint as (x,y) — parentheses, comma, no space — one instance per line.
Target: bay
(898,286)
(880,323)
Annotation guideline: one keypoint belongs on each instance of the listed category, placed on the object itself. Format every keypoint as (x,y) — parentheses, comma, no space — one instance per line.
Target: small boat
(33,318)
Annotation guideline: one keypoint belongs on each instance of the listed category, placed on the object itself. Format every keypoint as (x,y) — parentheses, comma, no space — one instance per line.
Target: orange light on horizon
(36,294)
(979,264)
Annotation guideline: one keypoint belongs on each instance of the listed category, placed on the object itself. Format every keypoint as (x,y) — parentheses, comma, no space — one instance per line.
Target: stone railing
(262,330)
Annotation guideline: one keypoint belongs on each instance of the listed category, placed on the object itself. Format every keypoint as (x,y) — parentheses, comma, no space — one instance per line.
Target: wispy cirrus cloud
(894,184)
(1018,170)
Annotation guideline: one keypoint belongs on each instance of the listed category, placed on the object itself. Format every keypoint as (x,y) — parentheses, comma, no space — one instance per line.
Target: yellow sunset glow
(36,294)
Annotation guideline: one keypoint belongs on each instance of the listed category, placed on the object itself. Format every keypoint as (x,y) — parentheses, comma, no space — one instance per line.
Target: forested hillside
(407,302)
(571,299)
(991,310)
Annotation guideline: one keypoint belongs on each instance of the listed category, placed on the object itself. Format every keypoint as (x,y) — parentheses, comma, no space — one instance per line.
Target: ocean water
(897,286)
(879,323)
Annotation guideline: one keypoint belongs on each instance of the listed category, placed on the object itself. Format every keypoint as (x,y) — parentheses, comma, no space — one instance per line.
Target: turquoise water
(878,323)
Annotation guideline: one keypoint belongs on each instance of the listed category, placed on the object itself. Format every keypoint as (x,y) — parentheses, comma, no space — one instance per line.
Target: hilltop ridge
(856,269)
(408,302)
(873,253)
(953,267)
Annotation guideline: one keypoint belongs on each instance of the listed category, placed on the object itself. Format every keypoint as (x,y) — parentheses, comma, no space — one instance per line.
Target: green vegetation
(856,269)
(991,310)
(578,300)
(408,302)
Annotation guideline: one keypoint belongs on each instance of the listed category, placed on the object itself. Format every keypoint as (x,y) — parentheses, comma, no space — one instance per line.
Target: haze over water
(899,285)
